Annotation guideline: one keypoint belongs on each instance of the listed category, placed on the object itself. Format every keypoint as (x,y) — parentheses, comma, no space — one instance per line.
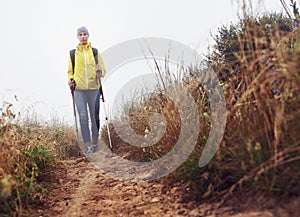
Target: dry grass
(28,152)
(261,144)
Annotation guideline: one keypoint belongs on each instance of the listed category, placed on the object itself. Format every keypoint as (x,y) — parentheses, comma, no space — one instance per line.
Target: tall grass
(28,152)
(261,141)
(258,65)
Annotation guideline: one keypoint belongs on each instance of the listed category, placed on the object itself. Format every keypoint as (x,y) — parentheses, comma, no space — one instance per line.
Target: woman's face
(83,38)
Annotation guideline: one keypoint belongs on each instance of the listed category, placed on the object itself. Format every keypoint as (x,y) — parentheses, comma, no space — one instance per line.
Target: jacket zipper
(86,73)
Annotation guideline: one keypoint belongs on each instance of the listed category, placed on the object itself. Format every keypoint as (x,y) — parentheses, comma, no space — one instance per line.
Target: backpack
(72,55)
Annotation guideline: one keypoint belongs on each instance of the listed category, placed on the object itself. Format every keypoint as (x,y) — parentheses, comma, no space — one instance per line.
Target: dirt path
(85,191)
(81,190)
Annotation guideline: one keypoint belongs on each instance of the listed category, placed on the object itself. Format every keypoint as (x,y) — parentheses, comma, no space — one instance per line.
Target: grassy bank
(257,62)
(28,153)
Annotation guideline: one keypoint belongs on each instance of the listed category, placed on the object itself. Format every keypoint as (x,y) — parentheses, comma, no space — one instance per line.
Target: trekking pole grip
(72,87)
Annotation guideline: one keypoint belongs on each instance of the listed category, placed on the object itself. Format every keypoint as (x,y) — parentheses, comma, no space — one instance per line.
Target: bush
(27,153)
(258,64)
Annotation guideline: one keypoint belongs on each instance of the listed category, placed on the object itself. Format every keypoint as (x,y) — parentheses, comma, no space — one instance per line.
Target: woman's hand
(98,70)
(71,83)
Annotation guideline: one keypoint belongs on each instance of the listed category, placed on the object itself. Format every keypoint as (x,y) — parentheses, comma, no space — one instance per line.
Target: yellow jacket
(85,68)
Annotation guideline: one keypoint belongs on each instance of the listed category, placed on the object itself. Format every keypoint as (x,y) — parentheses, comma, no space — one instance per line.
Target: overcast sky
(37,35)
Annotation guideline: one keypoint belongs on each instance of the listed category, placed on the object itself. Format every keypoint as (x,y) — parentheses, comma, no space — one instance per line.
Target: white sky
(37,35)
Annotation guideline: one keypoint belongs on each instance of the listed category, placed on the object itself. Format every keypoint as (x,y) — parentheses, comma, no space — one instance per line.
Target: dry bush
(28,153)
(261,144)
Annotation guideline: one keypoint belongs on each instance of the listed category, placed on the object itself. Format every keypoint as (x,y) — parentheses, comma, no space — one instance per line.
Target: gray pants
(85,103)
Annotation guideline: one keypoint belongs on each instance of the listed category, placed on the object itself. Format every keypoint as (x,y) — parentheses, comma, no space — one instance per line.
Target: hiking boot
(89,150)
(95,148)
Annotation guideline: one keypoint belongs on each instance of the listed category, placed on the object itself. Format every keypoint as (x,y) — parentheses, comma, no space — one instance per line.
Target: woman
(83,76)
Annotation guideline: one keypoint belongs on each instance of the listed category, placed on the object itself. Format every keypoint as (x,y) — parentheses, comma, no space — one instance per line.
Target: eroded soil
(79,189)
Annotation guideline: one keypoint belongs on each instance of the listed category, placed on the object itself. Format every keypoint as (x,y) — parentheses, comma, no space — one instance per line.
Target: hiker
(85,69)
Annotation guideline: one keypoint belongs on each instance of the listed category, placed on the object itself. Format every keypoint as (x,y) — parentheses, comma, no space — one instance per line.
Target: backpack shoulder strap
(72,55)
(95,53)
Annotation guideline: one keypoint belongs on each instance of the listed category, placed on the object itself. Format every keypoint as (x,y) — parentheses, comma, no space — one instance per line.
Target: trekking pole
(106,118)
(74,110)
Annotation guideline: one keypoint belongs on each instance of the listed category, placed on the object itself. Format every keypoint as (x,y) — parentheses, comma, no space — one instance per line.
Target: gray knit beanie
(82,29)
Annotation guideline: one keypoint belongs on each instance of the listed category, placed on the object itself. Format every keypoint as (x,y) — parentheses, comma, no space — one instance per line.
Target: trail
(85,191)
(81,190)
